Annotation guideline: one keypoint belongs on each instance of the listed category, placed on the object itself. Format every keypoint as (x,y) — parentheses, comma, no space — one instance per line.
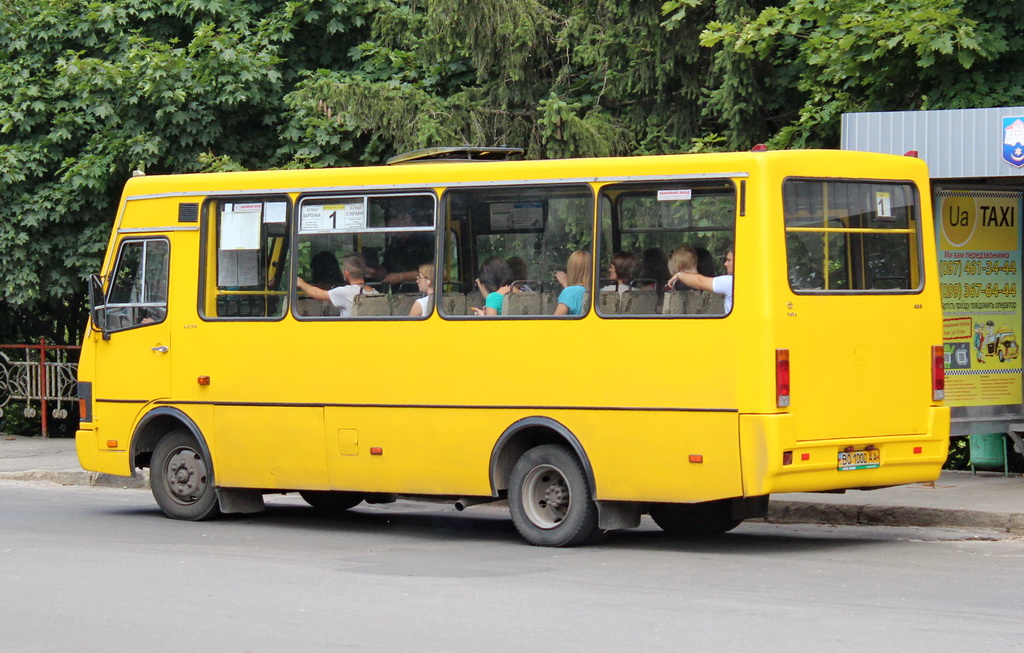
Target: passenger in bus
(325,272)
(353,268)
(705,262)
(404,250)
(425,282)
(519,273)
(494,282)
(654,265)
(576,280)
(682,259)
(721,285)
(622,270)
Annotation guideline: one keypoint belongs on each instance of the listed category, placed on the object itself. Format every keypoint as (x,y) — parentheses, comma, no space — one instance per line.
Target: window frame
(208,213)
(108,305)
(738,186)
(915,254)
(464,238)
(366,194)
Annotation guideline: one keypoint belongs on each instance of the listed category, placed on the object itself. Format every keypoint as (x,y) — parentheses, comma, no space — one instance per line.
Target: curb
(91,479)
(800,512)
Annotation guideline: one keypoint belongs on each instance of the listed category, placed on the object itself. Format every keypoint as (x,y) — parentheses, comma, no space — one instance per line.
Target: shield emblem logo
(1013,141)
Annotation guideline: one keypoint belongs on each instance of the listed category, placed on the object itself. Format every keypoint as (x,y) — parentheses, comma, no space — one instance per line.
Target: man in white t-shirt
(353,268)
(721,285)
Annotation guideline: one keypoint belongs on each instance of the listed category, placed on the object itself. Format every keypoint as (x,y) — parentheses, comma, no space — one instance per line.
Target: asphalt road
(98,569)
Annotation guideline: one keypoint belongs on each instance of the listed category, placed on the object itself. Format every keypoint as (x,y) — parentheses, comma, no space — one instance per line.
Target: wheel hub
(546,496)
(186,476)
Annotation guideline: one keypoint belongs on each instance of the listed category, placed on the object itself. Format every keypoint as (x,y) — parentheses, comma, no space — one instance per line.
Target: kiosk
(976,162)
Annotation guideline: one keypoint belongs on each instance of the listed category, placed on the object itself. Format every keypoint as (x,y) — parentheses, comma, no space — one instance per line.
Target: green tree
(91,91)
(829,57)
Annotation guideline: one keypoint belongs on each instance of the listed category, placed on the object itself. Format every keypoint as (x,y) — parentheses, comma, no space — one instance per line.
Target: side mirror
(97,308)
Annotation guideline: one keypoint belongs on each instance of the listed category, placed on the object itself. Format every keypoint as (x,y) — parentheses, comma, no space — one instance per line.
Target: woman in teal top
(494,282)
(576,280)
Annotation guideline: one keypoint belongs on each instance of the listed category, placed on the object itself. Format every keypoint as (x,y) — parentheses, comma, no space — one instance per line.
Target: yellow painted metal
(298,405)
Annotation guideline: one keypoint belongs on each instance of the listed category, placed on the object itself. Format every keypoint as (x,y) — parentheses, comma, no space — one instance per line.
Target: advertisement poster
(980,275)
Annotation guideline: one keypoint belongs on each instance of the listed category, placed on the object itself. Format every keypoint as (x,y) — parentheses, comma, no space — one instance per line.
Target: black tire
(694,519)
(550,499)
(331,501)
(181,478)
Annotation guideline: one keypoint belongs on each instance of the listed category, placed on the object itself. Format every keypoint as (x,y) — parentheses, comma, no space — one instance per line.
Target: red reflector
(912,153)
(760,147)
(782,378)
(918,449)
(938,373)
(376,451)
(203,380)
(696,458)
(805,456)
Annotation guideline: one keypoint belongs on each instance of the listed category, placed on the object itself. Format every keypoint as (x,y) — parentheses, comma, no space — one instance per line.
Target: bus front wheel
(181,478)
(694,519)
(549,498)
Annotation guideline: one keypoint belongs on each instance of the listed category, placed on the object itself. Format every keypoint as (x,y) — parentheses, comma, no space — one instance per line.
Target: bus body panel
(861,366)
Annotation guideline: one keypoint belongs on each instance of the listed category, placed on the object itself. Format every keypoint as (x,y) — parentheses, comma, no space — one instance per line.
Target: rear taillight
(938,373)
(782,378)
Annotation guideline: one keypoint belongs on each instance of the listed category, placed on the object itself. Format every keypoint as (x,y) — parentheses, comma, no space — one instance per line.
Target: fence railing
(39,375)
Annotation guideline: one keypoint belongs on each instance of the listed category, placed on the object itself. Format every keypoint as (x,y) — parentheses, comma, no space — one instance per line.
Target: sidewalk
(987,501)
(54,459)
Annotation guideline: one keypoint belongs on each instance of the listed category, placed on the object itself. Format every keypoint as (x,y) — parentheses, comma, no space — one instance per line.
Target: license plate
(851,460)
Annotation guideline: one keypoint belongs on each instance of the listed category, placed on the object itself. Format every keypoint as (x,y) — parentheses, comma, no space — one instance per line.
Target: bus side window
(514,239)
(652,230)
(246,258)
(138,285)
(391,235)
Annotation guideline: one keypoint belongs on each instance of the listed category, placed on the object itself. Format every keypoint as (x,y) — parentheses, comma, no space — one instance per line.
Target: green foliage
(829,57)
(92,90)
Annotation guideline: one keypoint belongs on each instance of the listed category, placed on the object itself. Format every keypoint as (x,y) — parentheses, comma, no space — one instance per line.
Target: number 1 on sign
(883,203)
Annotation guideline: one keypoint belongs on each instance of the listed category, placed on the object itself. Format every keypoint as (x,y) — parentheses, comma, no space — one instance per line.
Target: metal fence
(40,375)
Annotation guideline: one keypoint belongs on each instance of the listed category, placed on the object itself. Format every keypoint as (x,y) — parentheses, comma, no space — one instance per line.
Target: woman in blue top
(494,282)
(576,280)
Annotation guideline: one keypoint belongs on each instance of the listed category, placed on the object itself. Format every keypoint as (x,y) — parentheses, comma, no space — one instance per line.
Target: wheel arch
(156,424)
(525,434)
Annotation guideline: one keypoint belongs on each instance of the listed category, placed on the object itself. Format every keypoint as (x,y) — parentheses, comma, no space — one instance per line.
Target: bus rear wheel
(331,501)
(694,519)
(549,498)
(181,478)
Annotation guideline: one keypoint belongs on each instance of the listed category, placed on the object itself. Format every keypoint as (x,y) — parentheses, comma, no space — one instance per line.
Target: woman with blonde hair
(576,280)
(425,282)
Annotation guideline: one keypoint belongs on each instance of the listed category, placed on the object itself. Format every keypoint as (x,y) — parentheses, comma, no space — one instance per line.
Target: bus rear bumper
(775,462)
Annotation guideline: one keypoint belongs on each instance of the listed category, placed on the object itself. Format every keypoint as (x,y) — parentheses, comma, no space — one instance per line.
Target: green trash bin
(988,451)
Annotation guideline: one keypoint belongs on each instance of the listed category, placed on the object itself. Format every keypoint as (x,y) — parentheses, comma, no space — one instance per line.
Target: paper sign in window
(675,194)
(327,218)
(506,216)
(240,230)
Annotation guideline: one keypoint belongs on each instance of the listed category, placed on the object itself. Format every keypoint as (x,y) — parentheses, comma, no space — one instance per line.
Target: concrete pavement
(987,501)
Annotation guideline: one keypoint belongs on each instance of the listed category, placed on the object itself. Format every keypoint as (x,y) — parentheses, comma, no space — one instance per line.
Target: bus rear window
(851,236)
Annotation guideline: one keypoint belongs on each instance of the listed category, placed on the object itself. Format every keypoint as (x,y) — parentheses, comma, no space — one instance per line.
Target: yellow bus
(548,355)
